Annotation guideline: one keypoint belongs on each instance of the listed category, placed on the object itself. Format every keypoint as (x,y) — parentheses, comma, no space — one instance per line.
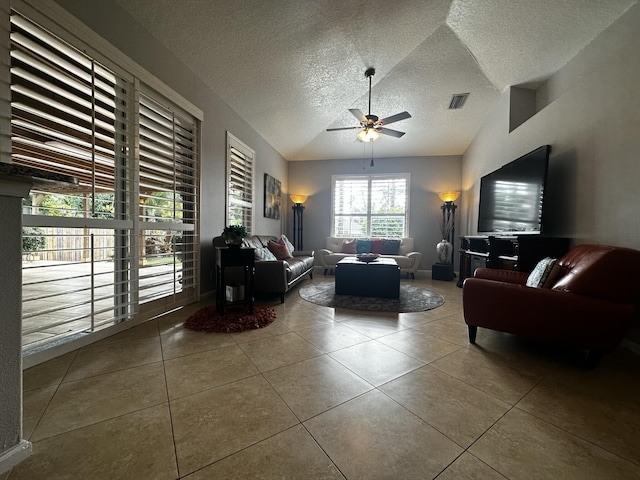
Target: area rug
(236,318)
(412,299)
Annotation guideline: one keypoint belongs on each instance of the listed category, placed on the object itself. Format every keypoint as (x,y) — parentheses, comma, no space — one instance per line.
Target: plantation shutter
(351,203)
(370,206)
(240,183)
(168,186)
(69,116)
(388,207)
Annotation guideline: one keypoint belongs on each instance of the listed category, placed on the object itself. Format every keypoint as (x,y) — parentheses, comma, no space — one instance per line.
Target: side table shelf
(234,257)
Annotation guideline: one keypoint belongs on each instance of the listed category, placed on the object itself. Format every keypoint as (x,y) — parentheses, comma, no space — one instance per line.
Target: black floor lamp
(298,209)
(449,216)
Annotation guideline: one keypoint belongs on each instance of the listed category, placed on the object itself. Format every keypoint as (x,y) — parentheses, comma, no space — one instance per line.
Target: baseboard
(14,456)
(629,345)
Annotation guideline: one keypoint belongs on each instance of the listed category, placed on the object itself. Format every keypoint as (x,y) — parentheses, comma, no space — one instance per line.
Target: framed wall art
(272,197)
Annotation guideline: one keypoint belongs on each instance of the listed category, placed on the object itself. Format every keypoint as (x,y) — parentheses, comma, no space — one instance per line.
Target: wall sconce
(298,209)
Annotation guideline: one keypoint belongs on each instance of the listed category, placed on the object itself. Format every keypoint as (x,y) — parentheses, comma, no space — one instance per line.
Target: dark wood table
(234,257)
(380,278)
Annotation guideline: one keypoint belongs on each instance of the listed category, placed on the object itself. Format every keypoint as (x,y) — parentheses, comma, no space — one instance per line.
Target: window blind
(70,116)
(370,206)
(168,199)
(239,183)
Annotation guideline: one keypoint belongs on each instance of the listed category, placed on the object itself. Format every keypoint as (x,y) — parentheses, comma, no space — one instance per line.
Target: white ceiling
(293,68)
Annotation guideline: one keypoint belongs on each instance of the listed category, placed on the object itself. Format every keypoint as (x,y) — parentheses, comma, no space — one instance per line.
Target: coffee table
(380,278)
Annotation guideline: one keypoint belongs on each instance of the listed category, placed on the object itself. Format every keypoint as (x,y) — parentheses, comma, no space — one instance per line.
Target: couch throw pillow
(363,246)
(279,250)
(377,245)
(349,246)
(284,240)
(540,273)
(391,247)
(264,254)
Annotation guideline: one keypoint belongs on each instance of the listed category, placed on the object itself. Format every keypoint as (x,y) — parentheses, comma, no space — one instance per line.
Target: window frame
(62,25)
(370,178)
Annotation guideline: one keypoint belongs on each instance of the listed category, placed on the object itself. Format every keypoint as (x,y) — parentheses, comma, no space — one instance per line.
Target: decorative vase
(444,251)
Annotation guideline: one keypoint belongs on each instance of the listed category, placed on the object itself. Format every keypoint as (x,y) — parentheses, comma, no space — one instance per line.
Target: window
(239,183)
(167,200)
(125,236)
(370,206)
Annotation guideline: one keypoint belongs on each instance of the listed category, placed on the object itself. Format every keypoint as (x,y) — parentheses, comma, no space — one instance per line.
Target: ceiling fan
(370,125)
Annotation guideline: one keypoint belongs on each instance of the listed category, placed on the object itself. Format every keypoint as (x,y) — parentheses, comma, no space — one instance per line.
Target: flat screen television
(512,197)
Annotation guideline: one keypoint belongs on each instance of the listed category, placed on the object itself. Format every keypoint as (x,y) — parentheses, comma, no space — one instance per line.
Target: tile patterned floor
(324,394)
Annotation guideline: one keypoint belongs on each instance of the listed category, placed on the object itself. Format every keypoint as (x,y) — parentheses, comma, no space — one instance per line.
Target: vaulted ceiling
(293,68)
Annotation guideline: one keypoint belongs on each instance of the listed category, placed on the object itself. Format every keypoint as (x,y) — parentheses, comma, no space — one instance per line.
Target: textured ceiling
(293,68)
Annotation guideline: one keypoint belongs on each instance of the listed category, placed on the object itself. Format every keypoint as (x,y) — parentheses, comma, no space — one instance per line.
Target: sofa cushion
(377,245)
(363,246)
(280,250)
(284,240)
(297,266)
(539,275)
(349,246)
(391,247)
(264,254)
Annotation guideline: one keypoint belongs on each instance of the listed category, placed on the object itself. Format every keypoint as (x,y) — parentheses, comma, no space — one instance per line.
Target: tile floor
(324,394)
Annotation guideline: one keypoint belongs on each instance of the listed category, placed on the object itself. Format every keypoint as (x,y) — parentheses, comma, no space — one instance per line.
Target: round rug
(236,318)
(412,299)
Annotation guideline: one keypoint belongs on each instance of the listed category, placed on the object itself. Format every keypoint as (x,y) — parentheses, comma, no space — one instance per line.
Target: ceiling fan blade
(342,128)
(395,118)
(358,114)
(388,131)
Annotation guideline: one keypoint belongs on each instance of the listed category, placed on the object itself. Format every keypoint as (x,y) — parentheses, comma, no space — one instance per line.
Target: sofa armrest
(499,275)
(417,257)
(323,252)
(303,253)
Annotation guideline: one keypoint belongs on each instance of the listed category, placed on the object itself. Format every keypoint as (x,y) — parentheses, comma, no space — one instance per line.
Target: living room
(588,111)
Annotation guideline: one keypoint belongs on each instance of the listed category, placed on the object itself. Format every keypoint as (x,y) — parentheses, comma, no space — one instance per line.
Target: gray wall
(109,20)
(590,115)
(429,175)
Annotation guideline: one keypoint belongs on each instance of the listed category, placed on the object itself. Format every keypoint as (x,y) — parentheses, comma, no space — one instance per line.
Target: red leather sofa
(589,305)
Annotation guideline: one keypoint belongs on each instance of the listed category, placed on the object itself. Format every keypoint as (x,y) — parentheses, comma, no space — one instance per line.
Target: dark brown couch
(590,304)
(276,276)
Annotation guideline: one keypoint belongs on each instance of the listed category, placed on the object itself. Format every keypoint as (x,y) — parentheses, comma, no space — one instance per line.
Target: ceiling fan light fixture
(368,135)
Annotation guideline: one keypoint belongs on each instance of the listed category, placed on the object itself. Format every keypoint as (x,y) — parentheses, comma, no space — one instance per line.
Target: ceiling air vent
(457,101)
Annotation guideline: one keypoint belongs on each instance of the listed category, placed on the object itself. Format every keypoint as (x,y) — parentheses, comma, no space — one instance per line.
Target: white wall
(592,121)
(429,175)
(109,20)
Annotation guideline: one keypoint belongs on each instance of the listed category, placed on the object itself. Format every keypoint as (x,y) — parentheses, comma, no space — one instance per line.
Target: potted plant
(233,234)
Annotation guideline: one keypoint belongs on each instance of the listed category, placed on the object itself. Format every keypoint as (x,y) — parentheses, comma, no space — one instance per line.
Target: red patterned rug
(236,318)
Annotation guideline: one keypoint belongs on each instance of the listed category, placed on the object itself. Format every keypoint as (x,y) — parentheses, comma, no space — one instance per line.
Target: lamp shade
(368,135)
(298,198)
(449,196)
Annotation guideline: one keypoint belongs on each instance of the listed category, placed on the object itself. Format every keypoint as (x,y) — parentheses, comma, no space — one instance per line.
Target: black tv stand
(508,252)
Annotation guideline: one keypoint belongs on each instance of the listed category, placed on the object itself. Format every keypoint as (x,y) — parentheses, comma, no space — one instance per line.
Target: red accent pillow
(280,250)
(377,245)
(349,246)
